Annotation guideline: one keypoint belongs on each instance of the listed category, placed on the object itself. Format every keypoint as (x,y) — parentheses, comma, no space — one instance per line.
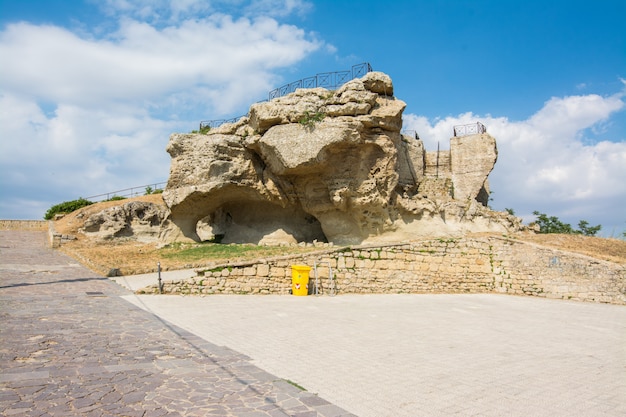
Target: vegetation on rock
(309,119)
(203,130)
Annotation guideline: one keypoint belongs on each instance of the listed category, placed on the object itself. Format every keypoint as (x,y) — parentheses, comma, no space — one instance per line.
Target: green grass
(215,251)
(300,387)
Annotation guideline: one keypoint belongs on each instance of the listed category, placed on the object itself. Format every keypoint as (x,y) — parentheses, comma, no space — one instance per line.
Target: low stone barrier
(466,265)
(56,239)
(35,225)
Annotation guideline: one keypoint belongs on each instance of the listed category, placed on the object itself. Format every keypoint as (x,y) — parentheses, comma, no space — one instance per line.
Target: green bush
(116,198)
(150,190)
(203,130)
(552,224)
(66,207)
(310,119)
(587,230)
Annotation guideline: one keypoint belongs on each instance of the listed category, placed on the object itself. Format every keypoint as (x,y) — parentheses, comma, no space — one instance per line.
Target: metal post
(437,173)
(159,275)
(331,283)
(316,290)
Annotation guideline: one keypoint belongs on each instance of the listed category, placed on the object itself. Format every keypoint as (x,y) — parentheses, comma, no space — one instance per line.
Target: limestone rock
(327,166)
(472,158)
(134,220)
(378,82)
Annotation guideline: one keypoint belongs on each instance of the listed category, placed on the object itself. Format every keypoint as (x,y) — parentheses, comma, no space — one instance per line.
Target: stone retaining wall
(55,239)
(468,265)
(35,225)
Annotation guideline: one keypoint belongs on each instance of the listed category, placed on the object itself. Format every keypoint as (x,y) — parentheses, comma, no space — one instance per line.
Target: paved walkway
(425,355)
(70,345)
(375,356)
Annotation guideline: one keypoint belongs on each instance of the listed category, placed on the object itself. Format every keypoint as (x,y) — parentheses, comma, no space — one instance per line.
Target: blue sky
(90,91)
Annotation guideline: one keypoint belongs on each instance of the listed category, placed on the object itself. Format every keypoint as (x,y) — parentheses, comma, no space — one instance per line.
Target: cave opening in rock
(259,223)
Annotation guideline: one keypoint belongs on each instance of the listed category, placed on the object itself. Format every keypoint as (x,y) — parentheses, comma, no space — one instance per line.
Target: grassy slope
(132,257)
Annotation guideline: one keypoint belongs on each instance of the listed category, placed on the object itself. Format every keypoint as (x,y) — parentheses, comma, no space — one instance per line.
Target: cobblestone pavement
(70,345)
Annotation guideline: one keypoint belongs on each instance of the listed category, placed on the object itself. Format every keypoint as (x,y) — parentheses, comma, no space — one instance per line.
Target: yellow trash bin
(300,279)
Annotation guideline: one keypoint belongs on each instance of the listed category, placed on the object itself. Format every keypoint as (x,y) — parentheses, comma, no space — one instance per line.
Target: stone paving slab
(70,345)
(424,355)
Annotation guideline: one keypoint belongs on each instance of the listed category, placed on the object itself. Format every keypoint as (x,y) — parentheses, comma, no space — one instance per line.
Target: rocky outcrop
(327,166)
(471,160)
(135,220)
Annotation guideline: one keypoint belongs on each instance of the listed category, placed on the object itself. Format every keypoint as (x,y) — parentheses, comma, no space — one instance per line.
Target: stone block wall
(56,239)
(479,265)
(437,188)
(35,225)
(437,164)
(527,269)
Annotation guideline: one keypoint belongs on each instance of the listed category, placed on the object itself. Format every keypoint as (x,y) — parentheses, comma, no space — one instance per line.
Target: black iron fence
(328,80)
(216,123)
(469,129)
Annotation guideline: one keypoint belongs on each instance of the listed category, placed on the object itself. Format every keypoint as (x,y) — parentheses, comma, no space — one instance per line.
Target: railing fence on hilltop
(128,192)
(470,129)
(328,80)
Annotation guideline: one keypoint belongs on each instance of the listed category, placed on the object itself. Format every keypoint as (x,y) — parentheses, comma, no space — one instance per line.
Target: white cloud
(158,11)
(278,8)
(154,10)
(547,162)
(81,115)
(141,62)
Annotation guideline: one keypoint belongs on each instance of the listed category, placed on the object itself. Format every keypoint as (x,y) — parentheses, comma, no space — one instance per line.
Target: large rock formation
(327,166)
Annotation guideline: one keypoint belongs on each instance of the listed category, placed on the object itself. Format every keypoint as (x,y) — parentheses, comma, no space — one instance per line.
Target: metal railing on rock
(328,80)
(216,123)
(469,129)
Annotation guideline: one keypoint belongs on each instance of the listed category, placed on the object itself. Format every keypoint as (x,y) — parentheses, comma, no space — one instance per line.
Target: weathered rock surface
(133,220)
(327,166)
(471,160)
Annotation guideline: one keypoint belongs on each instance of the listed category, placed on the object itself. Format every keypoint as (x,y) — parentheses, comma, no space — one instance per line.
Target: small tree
(587,230)
(552,224)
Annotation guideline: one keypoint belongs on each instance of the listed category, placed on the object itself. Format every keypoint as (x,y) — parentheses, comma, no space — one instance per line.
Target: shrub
(552,224)
(203,130)
(587,230)
(309,119)
(150,190)
(116,198)
(66,207)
